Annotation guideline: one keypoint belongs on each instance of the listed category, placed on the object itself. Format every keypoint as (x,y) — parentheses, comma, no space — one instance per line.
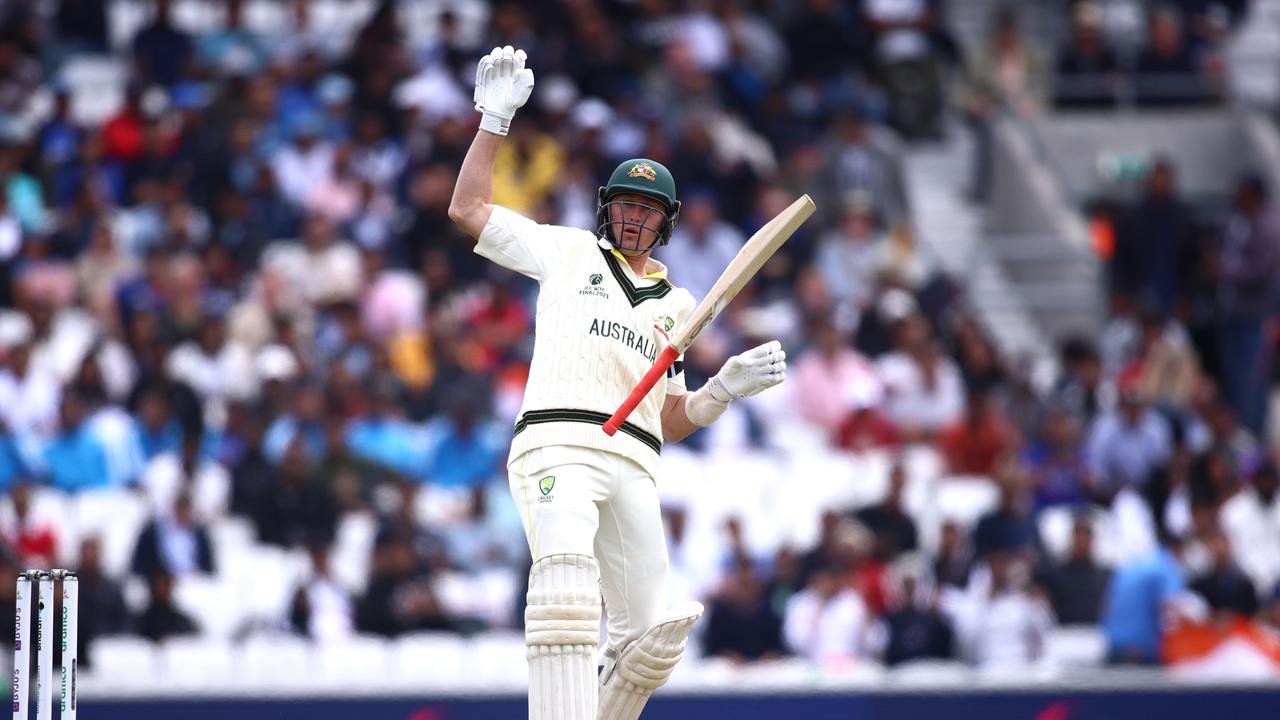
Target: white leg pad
(643,666)
(561,630)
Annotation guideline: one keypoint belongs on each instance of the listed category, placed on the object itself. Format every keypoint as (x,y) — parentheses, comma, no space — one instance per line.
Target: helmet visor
(633,226)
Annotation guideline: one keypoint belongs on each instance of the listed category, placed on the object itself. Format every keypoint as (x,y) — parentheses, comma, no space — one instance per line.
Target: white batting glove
(750,373)
(503,85)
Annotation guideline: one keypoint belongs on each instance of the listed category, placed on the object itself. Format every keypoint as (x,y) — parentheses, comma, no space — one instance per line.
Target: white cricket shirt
(597,330)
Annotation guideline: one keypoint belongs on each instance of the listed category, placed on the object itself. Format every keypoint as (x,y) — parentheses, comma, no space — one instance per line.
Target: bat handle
(650,379)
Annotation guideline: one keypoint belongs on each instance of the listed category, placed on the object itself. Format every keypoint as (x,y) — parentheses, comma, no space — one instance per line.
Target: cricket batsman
(588,501)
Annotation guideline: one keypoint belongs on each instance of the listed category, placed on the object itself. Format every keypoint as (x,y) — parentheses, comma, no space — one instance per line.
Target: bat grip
(646,384)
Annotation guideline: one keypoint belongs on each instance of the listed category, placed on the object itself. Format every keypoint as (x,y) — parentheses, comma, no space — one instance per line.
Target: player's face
(635,222)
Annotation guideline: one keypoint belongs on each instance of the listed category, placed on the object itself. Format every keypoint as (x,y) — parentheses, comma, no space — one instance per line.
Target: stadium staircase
(951,232)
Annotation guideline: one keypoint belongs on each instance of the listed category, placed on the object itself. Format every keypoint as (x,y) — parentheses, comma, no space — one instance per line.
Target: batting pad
(645,664)
(561,630)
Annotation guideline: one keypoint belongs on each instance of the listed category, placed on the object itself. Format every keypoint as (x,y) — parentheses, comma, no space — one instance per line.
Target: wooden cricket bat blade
(753,255)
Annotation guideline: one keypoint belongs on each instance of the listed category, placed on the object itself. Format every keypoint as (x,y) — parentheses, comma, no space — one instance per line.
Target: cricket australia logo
(643,170)
(594,288)
(546,485)
(663,324)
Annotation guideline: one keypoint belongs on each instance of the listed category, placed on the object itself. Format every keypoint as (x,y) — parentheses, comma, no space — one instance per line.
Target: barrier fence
(1164,704)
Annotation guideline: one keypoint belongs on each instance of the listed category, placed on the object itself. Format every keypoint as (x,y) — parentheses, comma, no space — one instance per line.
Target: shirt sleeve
(675,374)
(517,243)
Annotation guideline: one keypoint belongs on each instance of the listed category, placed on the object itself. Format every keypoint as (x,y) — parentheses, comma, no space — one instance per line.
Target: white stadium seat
(965,498)
(274,659)
(830,478)
(930,673)
(212,602)
(116,517)
(1076,646)
(125,661)
(264,578)
(189,662)
(353,548)
(498,660)
(232,532)
(1055,524)
(360,660)
(430,660)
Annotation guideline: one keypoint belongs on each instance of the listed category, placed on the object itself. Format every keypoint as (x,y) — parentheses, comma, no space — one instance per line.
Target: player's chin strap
(645,664)
(562,628)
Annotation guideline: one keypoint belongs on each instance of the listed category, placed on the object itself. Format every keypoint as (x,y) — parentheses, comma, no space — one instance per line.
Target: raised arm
(473,195)
(503,85)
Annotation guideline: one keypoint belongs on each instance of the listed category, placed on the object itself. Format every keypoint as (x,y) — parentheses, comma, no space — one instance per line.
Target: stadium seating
(127,662)
(1075,647)
(188,662)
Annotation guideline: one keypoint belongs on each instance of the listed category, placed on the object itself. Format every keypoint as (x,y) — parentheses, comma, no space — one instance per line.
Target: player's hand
(750,373)
(503,85)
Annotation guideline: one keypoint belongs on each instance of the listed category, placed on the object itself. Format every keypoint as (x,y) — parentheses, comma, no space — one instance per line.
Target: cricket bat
(745,265)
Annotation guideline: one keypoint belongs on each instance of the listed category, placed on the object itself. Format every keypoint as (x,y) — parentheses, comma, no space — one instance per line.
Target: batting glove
(503,85)
(750,373)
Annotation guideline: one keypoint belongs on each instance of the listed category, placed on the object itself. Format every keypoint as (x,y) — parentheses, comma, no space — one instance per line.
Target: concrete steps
(950,233)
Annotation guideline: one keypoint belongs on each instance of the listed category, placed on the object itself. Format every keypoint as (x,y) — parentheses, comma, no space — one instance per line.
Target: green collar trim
(635,295)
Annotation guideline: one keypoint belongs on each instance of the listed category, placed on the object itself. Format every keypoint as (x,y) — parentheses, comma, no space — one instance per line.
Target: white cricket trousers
(599,504)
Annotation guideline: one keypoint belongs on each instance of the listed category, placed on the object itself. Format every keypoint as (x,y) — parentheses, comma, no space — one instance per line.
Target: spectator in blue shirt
(305,423)
(1140,594)
(232,48)
(11,465)
(463,450)
(158,431)
(385,437)
(60,138)
(1055,461)
(1129,443)
(75,459)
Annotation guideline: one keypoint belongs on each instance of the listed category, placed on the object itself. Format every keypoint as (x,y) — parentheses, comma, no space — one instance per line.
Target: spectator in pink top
(832,379)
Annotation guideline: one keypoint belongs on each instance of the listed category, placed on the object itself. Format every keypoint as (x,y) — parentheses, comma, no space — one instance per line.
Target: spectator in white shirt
(827,622)
(323,266)
(305,164)
(924,389)
(322,608)
(30,396)
(171,475)
(1251,519)
(1005,623)
(702,245)
(62,336)
(219,371)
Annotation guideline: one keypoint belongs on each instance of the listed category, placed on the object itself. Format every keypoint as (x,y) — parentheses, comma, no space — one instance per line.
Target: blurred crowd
(239,295)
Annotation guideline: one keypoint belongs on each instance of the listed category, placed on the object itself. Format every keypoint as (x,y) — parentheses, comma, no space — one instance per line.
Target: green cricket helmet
(639,177)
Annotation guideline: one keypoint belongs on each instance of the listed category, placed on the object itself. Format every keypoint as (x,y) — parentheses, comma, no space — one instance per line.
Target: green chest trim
(635,295)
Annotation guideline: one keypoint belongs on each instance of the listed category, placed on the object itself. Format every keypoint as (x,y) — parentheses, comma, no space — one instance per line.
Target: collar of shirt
(658,274)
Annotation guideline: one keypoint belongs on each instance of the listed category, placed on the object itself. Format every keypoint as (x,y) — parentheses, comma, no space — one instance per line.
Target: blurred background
(258,390)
